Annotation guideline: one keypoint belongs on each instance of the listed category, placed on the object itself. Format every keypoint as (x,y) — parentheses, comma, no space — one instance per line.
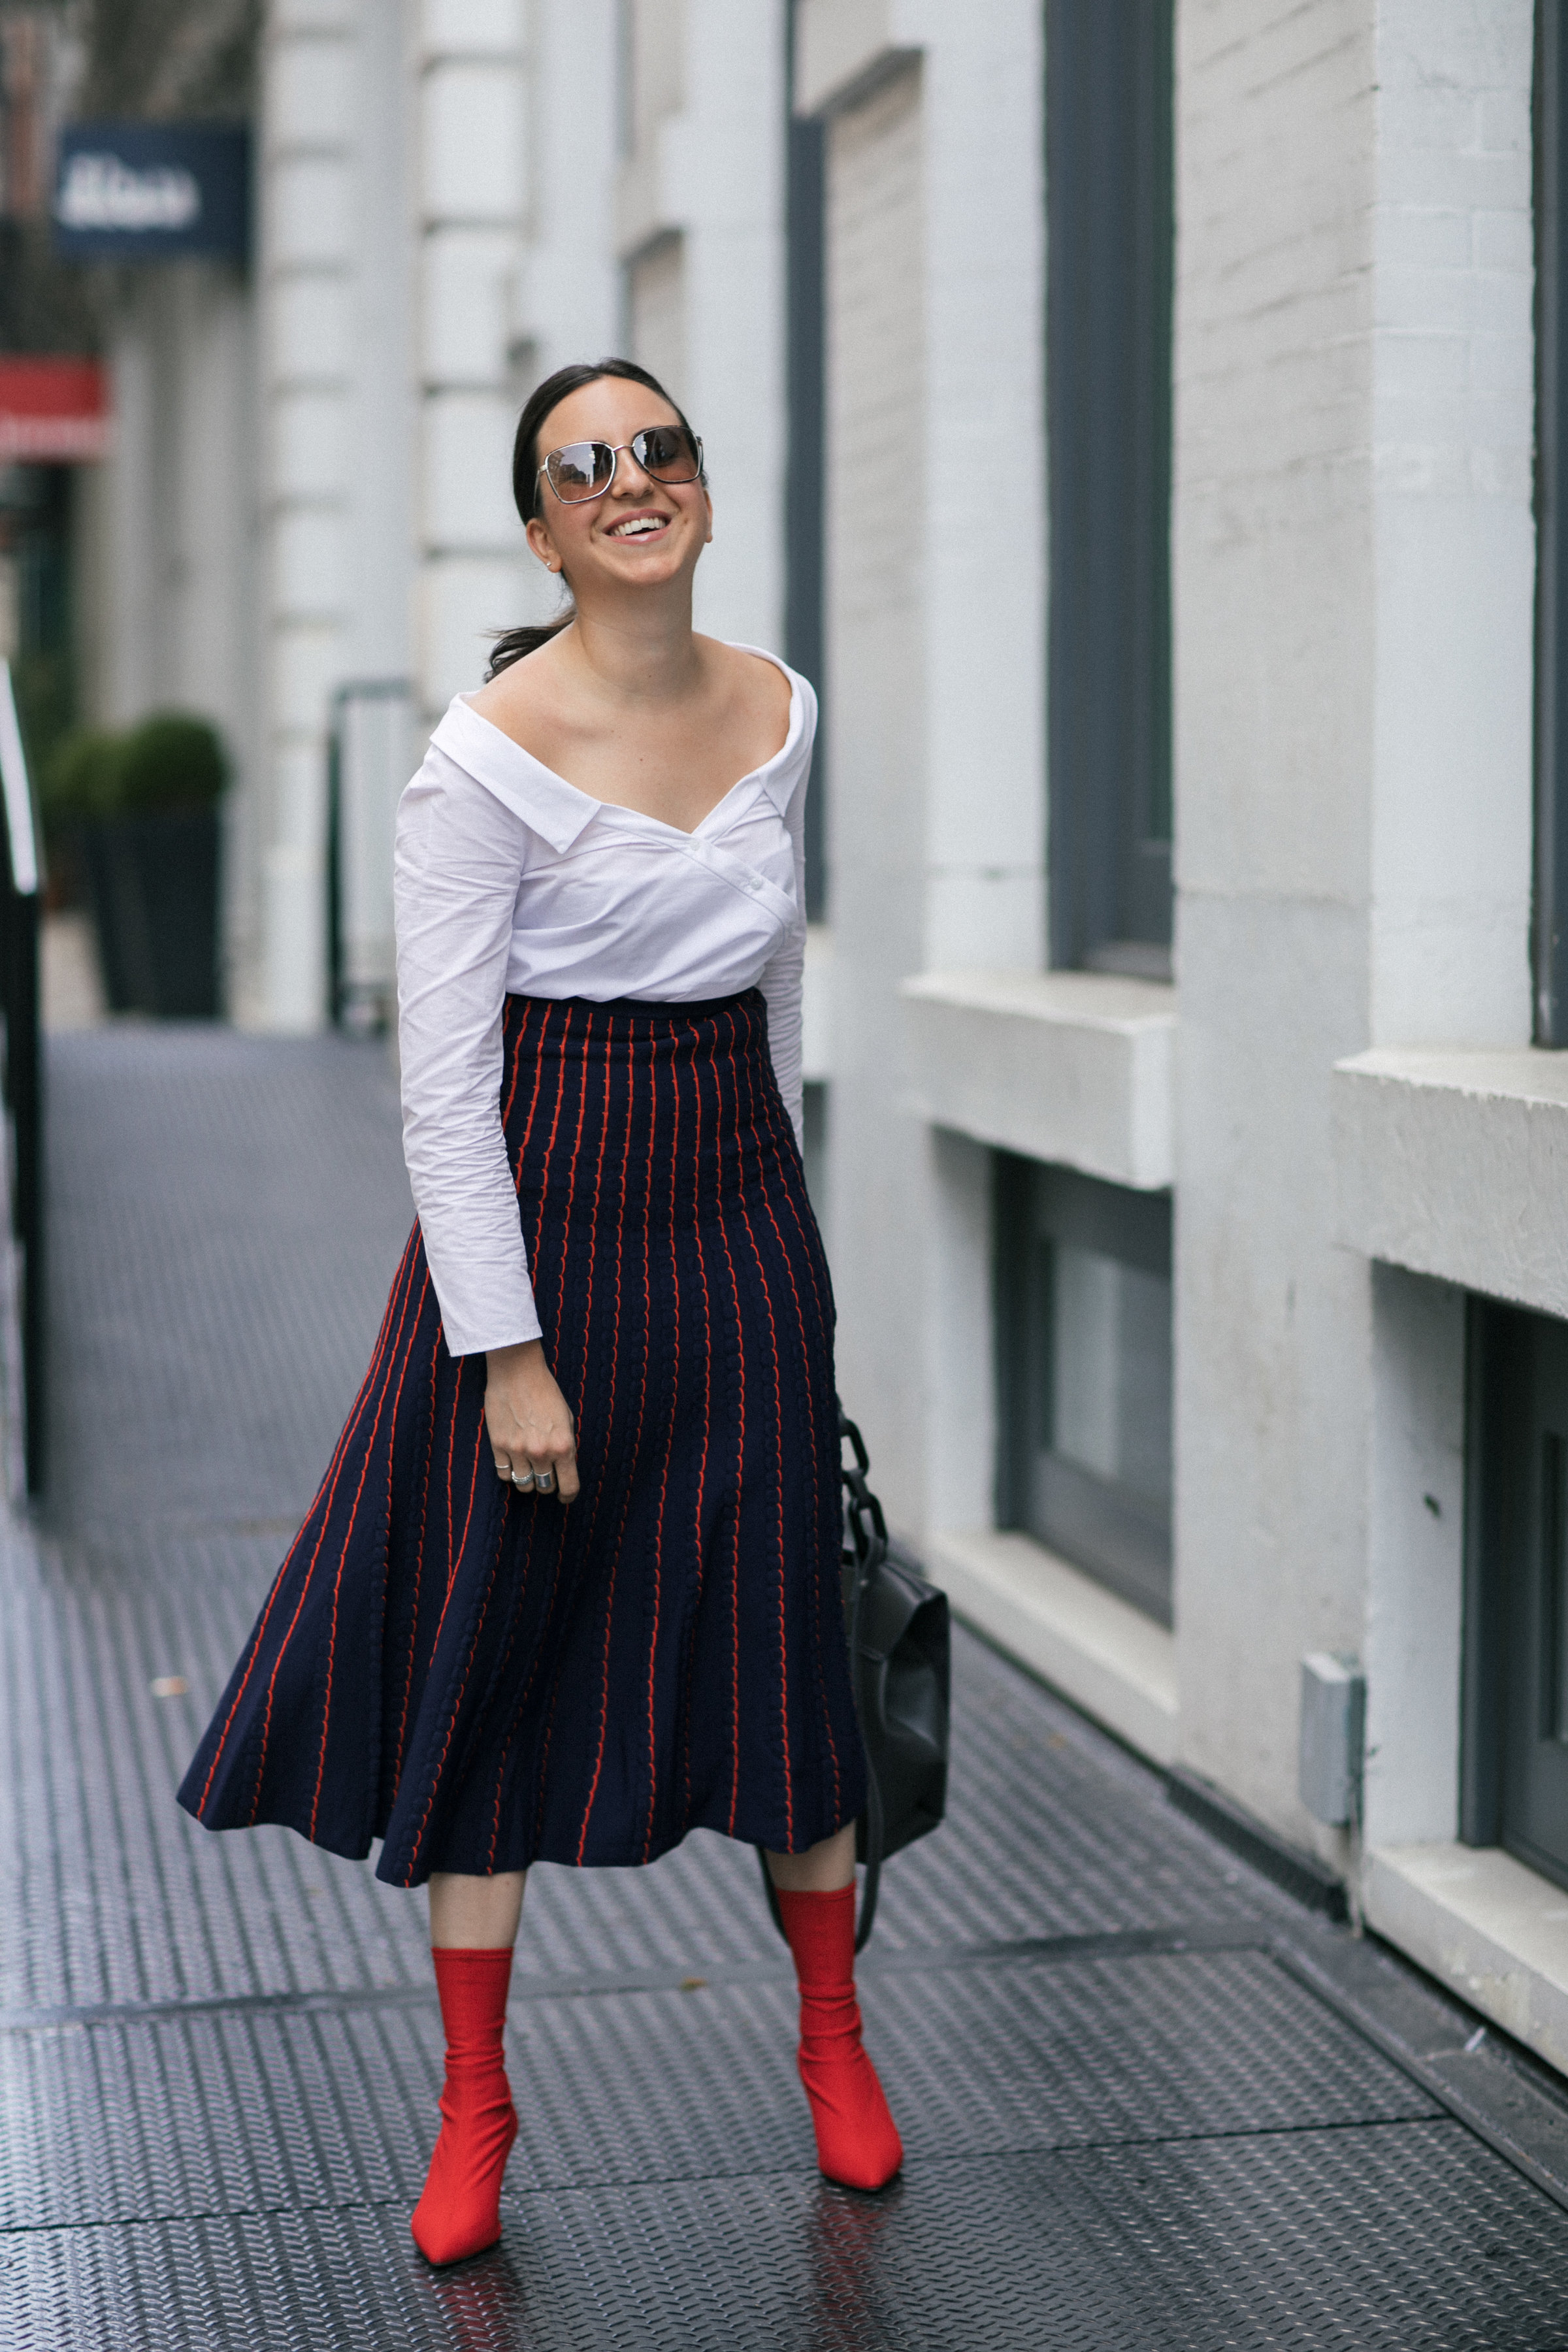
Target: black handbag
(900,1664)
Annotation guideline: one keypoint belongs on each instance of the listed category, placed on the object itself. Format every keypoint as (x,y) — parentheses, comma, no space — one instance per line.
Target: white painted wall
(166,538)
(1353,583)
(880,1173)
(935,654)
(700,238)
(1453,602)
(306,264)
(337,443)
(570,308)
(474,175)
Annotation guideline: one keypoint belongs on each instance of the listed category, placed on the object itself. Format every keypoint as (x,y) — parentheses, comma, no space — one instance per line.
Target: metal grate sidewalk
(1138,2112)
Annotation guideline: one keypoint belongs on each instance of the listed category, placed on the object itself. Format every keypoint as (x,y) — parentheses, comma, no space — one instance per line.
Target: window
(1514,1790)
(1083,1321)
(1108,202)
(805,394)
(1550,925)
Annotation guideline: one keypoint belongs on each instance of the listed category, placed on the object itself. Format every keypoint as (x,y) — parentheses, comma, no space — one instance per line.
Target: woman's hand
(530,1428)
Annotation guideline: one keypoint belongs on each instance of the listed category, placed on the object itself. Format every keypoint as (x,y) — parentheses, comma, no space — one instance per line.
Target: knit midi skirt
(484,1679)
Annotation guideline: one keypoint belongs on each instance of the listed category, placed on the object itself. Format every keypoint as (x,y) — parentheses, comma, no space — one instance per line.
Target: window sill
(1075,1067)
(1483,1925)
(1451,1164)
(1100,1652)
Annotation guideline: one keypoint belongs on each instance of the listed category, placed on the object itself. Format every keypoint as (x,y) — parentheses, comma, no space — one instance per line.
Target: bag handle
(869,1540)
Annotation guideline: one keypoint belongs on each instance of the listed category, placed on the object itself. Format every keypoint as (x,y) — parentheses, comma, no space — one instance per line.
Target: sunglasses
(585,469)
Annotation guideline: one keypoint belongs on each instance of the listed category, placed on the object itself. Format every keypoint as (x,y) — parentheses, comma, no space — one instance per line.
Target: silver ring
(522,1479)
(545,1481)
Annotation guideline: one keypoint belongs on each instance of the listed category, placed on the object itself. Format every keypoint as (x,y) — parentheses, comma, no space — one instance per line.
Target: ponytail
(516,645)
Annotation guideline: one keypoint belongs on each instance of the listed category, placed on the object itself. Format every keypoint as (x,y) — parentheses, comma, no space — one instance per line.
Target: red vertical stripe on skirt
(669,1418)
(391,1456)
(418,1558)
(533,1099)
(778,1470)
(455,1554)
(456,1706)
(571,1168)
(336,1589)
(739,1457)
(612,1396)
(378,1360)
(527,1005)
(706,1360)
(631,1467)
(806,1388)
(518,1606)
(559,1369)
(554,1125)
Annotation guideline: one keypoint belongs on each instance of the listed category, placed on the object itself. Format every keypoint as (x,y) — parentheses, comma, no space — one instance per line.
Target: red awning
(53,412)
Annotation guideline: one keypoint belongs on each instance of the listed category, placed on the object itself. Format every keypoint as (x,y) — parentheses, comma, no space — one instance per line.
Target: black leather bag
(900,1654)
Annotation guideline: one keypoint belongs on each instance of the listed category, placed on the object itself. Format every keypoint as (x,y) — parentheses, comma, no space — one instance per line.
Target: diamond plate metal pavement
(1135,2112)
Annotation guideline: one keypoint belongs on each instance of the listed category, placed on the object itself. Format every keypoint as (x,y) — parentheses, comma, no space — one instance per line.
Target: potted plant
(162,842)
(80,790)
(134,818)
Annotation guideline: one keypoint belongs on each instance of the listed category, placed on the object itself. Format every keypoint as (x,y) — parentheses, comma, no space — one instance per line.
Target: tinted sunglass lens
(581,471)
(666,453)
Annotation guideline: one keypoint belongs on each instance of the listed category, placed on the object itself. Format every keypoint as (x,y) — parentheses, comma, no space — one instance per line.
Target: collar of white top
(557,809)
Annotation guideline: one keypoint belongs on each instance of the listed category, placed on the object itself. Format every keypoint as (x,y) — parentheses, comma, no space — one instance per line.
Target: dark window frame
(1103,1530)
(806,462)
(1109,233)
(1513,1775)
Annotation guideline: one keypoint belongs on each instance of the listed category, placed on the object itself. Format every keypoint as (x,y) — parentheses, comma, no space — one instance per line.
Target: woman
(569,1587)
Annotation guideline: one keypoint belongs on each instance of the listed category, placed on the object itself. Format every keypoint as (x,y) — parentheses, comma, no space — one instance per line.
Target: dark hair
(512,644)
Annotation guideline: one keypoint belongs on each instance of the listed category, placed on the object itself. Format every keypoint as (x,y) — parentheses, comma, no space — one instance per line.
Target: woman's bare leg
(820,1870)
(475,1914)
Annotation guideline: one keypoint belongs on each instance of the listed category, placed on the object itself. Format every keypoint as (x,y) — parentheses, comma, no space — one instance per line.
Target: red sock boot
(856,2143)
(459,2213)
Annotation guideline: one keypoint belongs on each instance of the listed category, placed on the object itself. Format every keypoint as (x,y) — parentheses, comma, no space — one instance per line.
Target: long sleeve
(784,976)
(460,860)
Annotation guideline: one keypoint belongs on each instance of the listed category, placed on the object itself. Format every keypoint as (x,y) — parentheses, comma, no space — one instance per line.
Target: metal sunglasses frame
(615,449)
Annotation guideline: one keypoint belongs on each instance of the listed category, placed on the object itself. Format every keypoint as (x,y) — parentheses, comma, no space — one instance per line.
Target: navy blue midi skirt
(483,1679)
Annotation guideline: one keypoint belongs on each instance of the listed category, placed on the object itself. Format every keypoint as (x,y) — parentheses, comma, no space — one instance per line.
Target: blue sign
(152,191)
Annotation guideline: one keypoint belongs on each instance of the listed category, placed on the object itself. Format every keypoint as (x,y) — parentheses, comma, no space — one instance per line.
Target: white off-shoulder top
(509,880)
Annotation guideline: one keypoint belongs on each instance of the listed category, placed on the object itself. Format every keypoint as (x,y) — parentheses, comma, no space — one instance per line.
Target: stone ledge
(845,49)
(1107,1658)
(1071,1066)
(1452,1163)
(1494,1932)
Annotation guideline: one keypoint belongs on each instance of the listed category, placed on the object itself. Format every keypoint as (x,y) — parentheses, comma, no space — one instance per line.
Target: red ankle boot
(459,2213)
(856,2143)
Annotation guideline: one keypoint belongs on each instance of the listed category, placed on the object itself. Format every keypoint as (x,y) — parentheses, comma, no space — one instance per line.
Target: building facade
(1144,422)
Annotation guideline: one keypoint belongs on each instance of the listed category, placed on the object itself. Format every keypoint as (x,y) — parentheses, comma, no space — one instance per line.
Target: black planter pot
(154,885)
(106,880)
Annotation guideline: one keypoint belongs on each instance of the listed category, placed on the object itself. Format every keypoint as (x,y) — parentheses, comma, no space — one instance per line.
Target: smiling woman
(633,708)
(615,1298)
